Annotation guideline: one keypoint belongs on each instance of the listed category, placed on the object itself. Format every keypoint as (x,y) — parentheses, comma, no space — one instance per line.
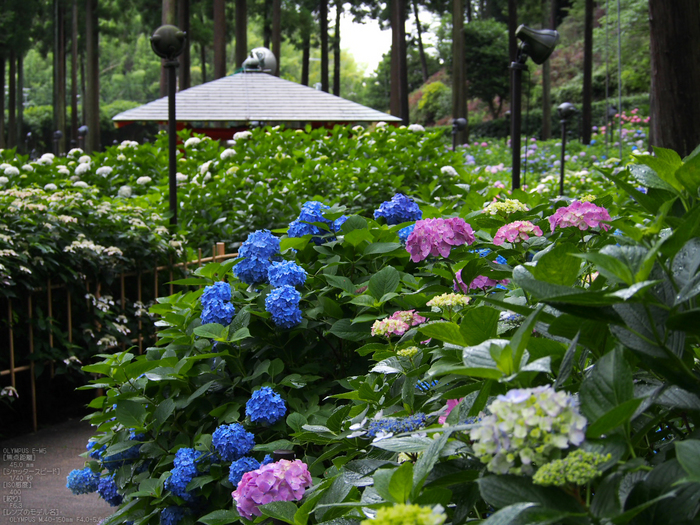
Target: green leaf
(357,237)
(607,386)
(163,411)
(444,331)
(130,413)
(330,307)
(519,341)
(647,177)
(401,483)
(478,325)
(212,331)
(427,461)
(567,363)
(558,265)
(381,247)
(344,329)
(220,517)
(610,266)
(507,515)
(354,222)
(341,282)
(688,455)
(384,281)
(280,510)
(295,243)
(382,480)
(504,490)
(613,418)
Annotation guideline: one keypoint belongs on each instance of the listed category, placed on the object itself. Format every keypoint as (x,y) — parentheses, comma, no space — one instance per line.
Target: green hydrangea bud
(578,468)
(505,208)
(408,352)
(403,514)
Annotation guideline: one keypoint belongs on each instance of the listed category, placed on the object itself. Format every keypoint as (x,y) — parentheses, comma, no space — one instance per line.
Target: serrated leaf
(383,282)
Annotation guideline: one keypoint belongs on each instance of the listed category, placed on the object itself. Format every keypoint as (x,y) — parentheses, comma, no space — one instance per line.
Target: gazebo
(253,98)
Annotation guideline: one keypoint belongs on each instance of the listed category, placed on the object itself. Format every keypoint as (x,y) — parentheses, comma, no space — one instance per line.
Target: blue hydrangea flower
(267,459)
(338,223)
(240,467)
(94,451)
(122,458)
(216,293)
(283,304)
(261,244)
(501,260)
(82,481)
(107,489)
(394,425)
(183,472)
(252,270)
(399,209)
(311,211)
(220,312)
(171,515)
(265,406)
(286,272)
(425,386)
(232,442)
(405,232)
(133,436)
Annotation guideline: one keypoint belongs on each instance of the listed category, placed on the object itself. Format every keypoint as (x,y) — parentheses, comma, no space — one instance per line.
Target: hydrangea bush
(568,394)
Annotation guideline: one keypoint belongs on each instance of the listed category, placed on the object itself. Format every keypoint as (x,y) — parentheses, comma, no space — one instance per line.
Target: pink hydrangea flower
(515,232)
(437,237)
(451,404)
(479,283)
(283,480)
(582,215)
(410,317)
(389,326)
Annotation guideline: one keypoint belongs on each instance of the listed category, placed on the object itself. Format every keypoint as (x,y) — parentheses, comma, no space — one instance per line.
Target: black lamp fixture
(57,136)
(537,44)
(565,112)
(168,42)
(506,115)
(458,124)
(82,133)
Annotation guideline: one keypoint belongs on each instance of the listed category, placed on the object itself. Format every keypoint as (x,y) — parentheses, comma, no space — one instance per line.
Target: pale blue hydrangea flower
(265,406)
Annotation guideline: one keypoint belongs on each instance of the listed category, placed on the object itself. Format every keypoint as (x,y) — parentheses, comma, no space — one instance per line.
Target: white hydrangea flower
(75,152)
(124,192)
(104,170)
(525,427)
(416,128)
(28,167)
(85,159)
(82,169)
(204,167)
(242,135)
(80,184)
(227,153)
(121,157)
(46,158)
(63,170)
(381,124)
(11,171)
(143,180)
(192,142)
(3,180)
(449,170)
(180,177)
(127,144)
(50,187)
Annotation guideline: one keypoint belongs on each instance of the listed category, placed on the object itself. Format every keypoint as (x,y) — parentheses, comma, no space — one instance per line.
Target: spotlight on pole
(538,45)
(57,136)
(82,133)
(458,124)
(565,111)
(168,42)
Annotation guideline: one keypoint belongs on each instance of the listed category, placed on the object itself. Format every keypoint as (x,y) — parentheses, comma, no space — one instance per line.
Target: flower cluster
(404,233)
(408,352)
(171,515)
(283,480)
(524,427)
(505,207)
(107,489)
(232,441)
(395,425)
(437,237)
(582,215)
(265,406)
(240,467)
(403,513)
(256,251)
(451,404)
(184,471)
(216,307)
(399,209)
(312,211)
(578,468)
(479,283)
(397,324)
(82,481)
(447,301)
(286,273)
(516,232)
(283,304)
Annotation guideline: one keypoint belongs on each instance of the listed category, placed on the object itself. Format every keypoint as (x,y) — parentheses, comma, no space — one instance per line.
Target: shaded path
(33,470)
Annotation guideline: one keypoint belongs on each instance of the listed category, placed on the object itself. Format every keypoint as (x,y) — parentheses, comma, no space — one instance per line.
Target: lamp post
(507,117)
(458,124)
(538,45)
(82,133)
(565,111)
(168,42)
(57,136)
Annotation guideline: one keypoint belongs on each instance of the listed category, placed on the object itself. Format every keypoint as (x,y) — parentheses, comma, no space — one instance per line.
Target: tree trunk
(184,70)
(421,51)
(219,39)
(549,21)
(2,101)
(277,34)
(92,92)
(74,74)
(167,17)
(20,101)
(675,74)
(469,10)
(267,24)
(399,73)
(323,29)
(336,48)
(459,79)
(59,72)
(12,103)
(587,106)
(241,32)
(305,56)
(203,59)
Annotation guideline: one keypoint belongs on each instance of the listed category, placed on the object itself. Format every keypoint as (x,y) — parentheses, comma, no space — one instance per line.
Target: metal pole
(563,154)
(171,65)
(515,119)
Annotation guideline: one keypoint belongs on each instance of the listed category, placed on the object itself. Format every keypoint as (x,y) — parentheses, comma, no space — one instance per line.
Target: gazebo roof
(248,97)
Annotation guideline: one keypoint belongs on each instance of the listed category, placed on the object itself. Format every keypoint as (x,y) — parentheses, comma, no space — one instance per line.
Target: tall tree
(74,73)
(59,80)
(399,72)
(219,39)
(2,98)
(277,33)
(675,74)
(92,88)
(183,23)
(459,80)
(587,105)
(12,102)
(241,32)
(336,48)
(323,30)
(419,30)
